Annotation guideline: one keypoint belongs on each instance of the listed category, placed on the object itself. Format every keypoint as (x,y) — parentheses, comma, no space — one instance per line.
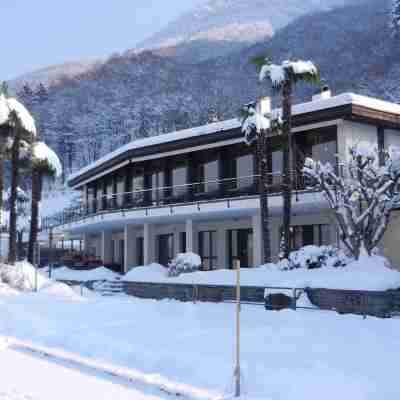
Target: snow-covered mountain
(220,26)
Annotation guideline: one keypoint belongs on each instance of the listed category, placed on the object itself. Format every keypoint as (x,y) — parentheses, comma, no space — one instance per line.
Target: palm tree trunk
(262,161)
(2,156)
(287,166)
(34,227)
(12,254)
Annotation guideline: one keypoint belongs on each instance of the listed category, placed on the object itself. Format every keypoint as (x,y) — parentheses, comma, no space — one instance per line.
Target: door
(241,247)
(165,249)
(121,251)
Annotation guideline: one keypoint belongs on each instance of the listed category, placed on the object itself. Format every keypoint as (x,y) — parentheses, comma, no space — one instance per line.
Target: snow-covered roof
(161,139)
(42,152)
(218,127)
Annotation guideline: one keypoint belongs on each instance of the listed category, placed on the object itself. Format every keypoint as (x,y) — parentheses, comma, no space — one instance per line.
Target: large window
(277,167)
(304,235)
(120,186)
(209,176)
(158,186)
(165,248)
(91,198)
(138,187)
(208,245)
(245,170)
(179,180)
(325,152)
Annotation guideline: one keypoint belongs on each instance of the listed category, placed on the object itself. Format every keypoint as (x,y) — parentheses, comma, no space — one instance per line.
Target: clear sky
(39,33)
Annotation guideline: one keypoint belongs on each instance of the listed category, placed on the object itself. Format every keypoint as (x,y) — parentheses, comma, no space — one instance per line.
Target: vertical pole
(35,258)
(237,367)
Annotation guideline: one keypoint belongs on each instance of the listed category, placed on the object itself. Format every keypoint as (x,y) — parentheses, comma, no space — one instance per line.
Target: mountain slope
(235,23)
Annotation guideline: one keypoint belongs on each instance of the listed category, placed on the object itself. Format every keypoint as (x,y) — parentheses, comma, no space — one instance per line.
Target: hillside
(144,94)
(220,26)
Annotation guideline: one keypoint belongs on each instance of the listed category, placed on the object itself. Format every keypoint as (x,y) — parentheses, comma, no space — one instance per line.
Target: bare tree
(362,199)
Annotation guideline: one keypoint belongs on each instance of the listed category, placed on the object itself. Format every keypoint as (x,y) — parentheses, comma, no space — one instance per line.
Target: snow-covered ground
(29,376)
(285,355)
(366,274)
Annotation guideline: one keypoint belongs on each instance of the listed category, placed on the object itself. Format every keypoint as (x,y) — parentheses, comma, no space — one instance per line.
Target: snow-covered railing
(172,195)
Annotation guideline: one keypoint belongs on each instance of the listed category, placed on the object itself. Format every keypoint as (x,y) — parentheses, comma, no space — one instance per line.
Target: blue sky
(38,33)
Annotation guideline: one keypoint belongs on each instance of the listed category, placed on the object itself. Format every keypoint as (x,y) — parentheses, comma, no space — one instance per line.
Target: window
(277,167)
(325,152)
(110,192)
(138,187)
(91,197)
(209,176)
(157,184)
(120,186)
(244,170)
(100,195)
(179,179)
(304,235)
(208,245)
(165,248)
(240,246)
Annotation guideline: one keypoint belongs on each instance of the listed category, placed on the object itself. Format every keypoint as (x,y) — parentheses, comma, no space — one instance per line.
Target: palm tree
(283,78)
(45,164)
(256,127)
(23,130)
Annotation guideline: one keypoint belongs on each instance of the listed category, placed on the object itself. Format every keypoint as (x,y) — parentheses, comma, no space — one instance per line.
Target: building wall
(392,139)
(390,242)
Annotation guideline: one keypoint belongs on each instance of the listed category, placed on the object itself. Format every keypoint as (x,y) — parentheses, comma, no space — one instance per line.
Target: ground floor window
(208,245)
(304,235)
(139,251)
(240,247)
(165,248)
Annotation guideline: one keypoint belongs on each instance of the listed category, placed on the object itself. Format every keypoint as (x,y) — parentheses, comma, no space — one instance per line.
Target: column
(129,247)
(106,247)
(189,236)
(257,240)
(148,244)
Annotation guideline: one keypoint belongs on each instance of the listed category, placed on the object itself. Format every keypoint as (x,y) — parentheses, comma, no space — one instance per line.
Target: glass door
(165,249)
(240,242)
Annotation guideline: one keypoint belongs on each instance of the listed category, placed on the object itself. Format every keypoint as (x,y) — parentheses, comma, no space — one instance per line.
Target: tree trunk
(287,166)
(34,227)
(12,254)
(262,162)
(2,156)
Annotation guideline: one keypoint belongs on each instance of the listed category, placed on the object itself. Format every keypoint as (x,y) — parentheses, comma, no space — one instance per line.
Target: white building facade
(197,189)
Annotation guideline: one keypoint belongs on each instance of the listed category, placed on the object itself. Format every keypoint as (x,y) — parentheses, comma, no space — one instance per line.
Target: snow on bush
(312,257)
(184,263)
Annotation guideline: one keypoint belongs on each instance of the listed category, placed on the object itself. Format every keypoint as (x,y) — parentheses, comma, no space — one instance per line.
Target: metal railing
(172,195)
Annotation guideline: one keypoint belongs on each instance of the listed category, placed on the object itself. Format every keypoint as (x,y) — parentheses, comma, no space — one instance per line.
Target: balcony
(193,193)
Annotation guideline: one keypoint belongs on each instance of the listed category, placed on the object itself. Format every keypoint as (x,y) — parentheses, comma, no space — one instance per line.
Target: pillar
(106,247)
(129,247)
(189,236)
(257,240)
(148,244)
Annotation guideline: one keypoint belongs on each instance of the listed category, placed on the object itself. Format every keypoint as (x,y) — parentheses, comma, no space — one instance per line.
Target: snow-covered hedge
(311,257)
(14,277)
(183,263)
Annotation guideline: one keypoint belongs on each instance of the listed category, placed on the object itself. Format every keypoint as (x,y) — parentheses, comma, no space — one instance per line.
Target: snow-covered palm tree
(23,129)
(283,78)
(45,164)
(255,126)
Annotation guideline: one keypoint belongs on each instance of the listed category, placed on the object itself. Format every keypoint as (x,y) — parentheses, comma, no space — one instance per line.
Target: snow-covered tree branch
(362,197)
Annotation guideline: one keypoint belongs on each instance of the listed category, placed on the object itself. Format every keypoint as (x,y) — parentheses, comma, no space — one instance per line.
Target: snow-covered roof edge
(302,108)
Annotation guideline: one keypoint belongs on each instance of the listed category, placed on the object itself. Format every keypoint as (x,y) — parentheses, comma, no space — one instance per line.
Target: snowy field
(285,355)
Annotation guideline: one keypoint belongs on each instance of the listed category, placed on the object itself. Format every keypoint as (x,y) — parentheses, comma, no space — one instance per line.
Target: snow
(96,274)
(4,111)
(184,263)
(255,121)
(370,273)
(42,152)
(26,119)
(189,348)
(307,107)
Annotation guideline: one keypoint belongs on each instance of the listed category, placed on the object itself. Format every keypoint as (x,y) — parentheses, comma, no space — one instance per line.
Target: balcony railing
(172,195)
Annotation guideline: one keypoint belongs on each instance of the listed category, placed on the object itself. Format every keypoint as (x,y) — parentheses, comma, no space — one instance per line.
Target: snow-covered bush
(183,263)
(311,257)
(14,277)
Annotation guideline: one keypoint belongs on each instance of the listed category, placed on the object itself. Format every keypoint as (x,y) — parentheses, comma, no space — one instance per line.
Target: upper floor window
(209,176)
(245,170)
(179,175)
